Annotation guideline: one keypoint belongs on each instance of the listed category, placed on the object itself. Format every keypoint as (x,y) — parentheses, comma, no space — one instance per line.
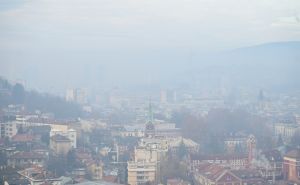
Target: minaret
(150,128)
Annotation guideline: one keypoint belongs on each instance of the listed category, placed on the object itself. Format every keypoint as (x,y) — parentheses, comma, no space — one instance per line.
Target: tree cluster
(211,130)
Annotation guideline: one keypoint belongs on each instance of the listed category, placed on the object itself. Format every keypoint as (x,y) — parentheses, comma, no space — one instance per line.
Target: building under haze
(8,129)
(78,95)
(146,164)
(291,166)
(144,167)
(69,133)
(60,145)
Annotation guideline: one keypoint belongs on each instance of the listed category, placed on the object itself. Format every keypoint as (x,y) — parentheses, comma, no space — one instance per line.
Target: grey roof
(60,138)
(247,173)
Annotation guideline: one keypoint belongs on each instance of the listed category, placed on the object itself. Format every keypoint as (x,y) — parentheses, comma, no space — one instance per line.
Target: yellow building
(61,145)
(146,164)
(141,172)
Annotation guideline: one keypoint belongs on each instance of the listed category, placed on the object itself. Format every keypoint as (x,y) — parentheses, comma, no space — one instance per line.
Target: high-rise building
(168,96)
(81,96)
(163,97)
(70,95)
(78,95)
(146,165)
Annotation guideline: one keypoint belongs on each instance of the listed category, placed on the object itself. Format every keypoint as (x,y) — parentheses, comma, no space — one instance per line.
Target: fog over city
(121,43)
(150,92)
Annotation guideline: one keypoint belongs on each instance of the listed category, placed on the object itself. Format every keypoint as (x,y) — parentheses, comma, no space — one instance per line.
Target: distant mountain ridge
(270,65)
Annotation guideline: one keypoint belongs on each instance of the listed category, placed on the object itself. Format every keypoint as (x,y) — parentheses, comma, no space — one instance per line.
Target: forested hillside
(16,94)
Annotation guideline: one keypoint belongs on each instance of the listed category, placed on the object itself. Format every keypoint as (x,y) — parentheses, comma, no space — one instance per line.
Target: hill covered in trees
(32,101)
(211,130)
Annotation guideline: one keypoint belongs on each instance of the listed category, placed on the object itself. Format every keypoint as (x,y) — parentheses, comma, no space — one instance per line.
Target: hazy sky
(44,39)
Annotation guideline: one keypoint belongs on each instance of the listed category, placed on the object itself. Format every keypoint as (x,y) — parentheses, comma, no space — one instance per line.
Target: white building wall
(8,129)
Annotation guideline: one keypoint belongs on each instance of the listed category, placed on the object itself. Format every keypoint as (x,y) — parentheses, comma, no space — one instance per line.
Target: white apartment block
(286,131)
(8,129)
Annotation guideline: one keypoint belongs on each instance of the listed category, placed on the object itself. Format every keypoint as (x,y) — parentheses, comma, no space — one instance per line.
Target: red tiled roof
(83,155)
(110,178)
(211,171)
(37,173)
(23,138)
(216,173)
(176,182)
(27,155)
(219,157)
(247,174)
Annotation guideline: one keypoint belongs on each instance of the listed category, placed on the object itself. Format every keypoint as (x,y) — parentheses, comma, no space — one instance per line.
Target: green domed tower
(150,128)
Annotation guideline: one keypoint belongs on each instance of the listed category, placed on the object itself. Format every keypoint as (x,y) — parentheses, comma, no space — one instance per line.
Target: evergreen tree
(18,94)
(182,150)
(280,141)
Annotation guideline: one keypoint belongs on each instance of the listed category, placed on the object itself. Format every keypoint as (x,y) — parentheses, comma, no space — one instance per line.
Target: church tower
(150,128)
(251,145)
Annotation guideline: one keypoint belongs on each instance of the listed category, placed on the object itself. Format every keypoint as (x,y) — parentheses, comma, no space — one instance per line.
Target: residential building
(146,164)
(190,145)
(21,159)
(286,129)
(212,174)
(233,161)
(270,164)
(291,166)
(95,169)
(141,172)
(61,145)
(238,143)
(177,182)
(8,129)
(163,97)
(78,95)
(68,133)
(70,95)
(39,176)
